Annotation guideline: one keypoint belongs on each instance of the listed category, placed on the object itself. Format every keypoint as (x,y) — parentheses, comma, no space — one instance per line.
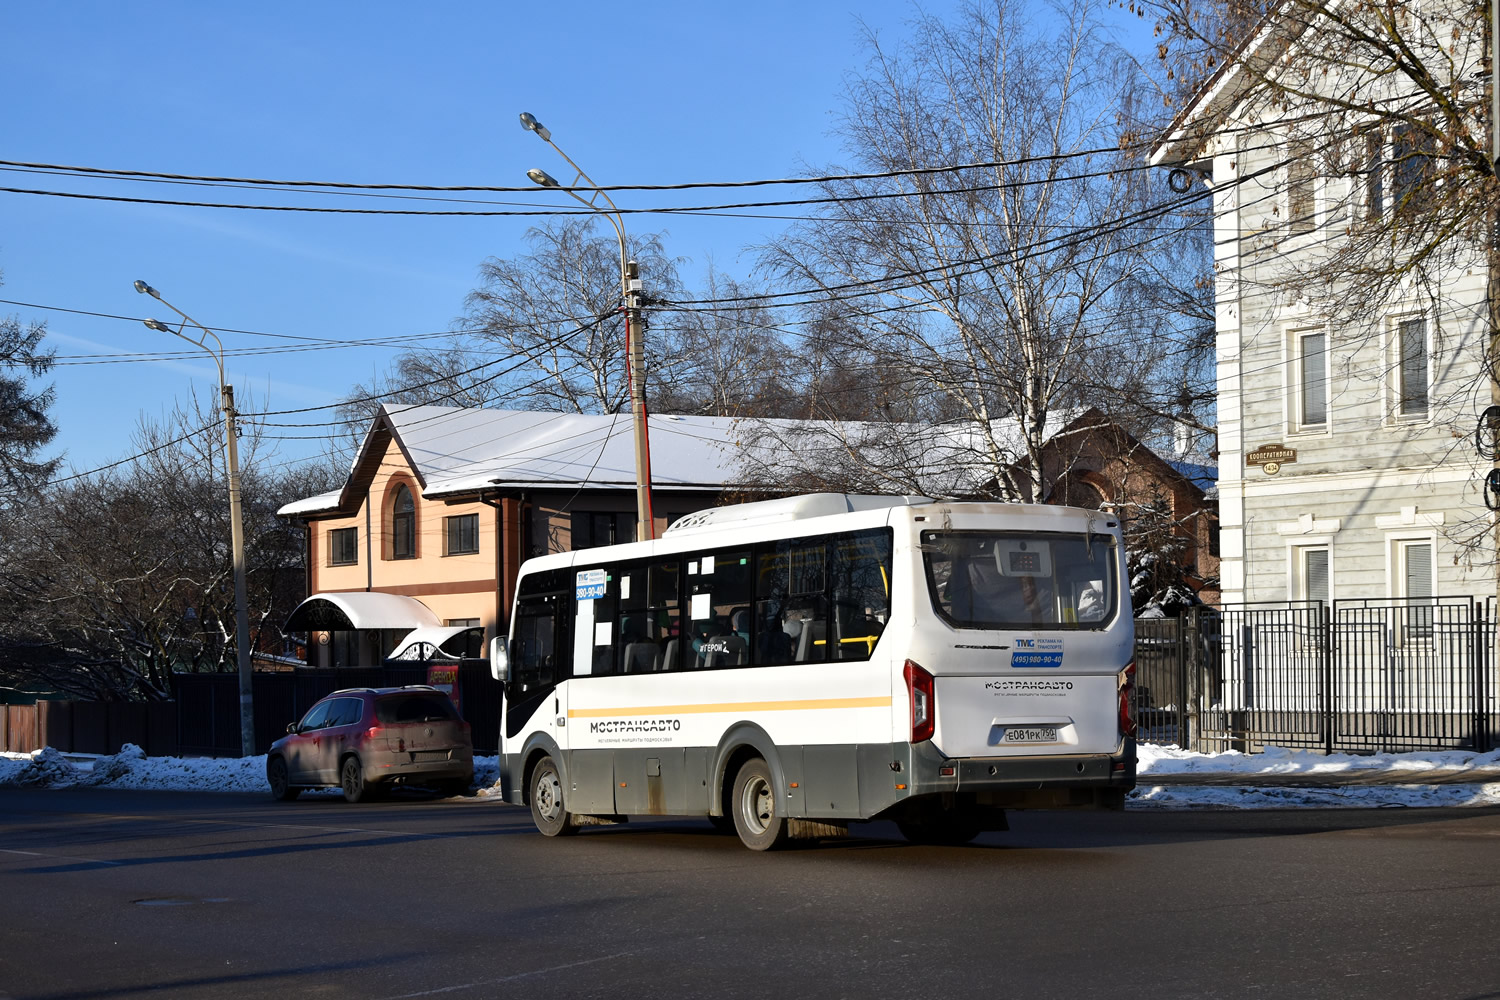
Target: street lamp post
(236,521)
(635,354)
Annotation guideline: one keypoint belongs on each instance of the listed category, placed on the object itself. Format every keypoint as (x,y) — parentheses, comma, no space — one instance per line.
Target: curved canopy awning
(345,610)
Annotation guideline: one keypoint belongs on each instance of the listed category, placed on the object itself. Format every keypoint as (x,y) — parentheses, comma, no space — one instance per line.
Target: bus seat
(669,659)
(642,657)
(808,647)
(739,622)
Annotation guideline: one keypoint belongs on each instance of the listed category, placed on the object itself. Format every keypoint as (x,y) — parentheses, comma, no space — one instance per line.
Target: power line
(347,185)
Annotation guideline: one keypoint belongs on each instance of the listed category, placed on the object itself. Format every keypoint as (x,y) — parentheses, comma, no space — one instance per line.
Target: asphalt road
(133,894)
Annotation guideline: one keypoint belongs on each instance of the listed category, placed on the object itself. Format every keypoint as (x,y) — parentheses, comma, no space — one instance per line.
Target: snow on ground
(1169,778)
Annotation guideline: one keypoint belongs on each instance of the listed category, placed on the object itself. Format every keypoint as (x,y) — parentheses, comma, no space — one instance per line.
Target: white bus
(787,666)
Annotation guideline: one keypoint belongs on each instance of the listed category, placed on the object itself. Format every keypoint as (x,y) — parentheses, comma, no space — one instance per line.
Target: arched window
(403,525)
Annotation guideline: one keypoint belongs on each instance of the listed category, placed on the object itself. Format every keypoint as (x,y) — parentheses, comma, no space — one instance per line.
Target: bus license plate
(1030,734)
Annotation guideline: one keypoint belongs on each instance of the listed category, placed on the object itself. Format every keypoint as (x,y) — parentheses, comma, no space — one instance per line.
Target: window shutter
(1413,336)
(1315,564)
(1314,379)
(1419,570)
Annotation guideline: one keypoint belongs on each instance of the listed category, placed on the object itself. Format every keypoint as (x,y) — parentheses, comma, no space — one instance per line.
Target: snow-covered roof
(311,505)
(1202,473)
(455,451)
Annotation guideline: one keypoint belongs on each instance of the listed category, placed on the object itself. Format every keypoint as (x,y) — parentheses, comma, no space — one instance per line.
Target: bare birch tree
(999,292)
(111,583)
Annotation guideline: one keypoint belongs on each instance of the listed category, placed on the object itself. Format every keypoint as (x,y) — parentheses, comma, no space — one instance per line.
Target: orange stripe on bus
(731,706)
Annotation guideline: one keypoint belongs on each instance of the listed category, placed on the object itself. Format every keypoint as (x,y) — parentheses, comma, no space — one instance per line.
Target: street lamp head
(529,122)
(158,326)
(146,289)
(543,178)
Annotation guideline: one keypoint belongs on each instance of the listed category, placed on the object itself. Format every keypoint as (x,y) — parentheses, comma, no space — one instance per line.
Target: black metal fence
(1358,675)
(208,705)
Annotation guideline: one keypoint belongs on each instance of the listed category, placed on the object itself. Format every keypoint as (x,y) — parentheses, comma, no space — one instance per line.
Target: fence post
(1191,633)
(1481,648)
(1325,678)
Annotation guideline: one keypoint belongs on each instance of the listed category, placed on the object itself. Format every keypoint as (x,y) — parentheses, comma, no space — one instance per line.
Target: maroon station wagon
(365,740)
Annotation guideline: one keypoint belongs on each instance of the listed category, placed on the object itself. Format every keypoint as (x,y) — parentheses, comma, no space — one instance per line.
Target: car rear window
(414,708)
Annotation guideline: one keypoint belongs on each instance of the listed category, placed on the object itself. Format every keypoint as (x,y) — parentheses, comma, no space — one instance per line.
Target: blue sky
(373,92)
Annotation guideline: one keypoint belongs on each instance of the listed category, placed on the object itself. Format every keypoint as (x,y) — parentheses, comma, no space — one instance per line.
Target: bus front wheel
(547,810)
(757,814)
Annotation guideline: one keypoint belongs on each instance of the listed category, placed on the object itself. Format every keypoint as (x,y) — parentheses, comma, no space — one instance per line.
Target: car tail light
(377,738)
(1127,691)
(923,701)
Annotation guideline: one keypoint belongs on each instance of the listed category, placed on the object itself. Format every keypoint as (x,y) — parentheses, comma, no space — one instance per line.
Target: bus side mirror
(499,659)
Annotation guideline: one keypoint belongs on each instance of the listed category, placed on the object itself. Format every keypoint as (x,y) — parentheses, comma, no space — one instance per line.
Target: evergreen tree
(24,426)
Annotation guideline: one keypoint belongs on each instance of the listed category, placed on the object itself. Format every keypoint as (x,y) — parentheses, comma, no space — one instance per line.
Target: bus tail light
(1127,691)
(923,701)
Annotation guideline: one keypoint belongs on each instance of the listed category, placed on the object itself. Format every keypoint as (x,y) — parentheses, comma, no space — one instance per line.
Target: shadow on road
(195,984)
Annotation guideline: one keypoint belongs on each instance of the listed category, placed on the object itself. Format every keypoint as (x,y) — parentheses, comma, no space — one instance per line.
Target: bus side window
(722,586)
(775,633)
(861,574)
(805,608)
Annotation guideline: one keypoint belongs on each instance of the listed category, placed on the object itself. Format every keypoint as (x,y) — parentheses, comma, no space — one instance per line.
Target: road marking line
(508,979)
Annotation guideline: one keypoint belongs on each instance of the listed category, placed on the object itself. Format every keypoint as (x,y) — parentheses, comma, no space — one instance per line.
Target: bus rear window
(1024,580)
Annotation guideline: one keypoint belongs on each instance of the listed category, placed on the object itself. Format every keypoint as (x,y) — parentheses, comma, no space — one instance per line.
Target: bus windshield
(1026,580)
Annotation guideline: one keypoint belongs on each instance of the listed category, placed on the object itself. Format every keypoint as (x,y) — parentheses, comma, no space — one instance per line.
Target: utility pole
(236,523)
(635,337)
(635,354)
(241,597)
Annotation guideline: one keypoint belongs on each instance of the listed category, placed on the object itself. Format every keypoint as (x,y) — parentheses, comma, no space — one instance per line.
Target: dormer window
(403,525)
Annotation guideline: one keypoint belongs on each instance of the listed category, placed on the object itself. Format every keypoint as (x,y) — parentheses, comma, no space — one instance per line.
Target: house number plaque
(1271,457)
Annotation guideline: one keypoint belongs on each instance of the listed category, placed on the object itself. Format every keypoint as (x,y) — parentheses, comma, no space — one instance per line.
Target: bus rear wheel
(547,809)
(757,816)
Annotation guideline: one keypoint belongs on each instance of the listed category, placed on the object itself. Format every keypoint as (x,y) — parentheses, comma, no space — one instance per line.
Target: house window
(1411,337)
(1312,379)
(403,525)
(591,529)
(1301,186)
(1412,169)
(1414,578)
(461,534)
(343,547)
(1310,573)
(1374,171)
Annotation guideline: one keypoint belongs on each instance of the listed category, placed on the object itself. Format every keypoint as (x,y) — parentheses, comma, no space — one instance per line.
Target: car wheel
(756,817)
(940,829)
(281,782)
(352,780)
(547,809)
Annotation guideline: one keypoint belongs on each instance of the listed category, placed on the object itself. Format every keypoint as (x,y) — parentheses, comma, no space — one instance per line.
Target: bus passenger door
(540,661)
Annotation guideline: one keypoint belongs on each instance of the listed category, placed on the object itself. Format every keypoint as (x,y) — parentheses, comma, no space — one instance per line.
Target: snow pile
(1280,762)
(131,768)
(1207,797)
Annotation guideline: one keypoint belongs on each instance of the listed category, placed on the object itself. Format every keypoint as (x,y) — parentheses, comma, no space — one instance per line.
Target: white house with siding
(1347,464)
